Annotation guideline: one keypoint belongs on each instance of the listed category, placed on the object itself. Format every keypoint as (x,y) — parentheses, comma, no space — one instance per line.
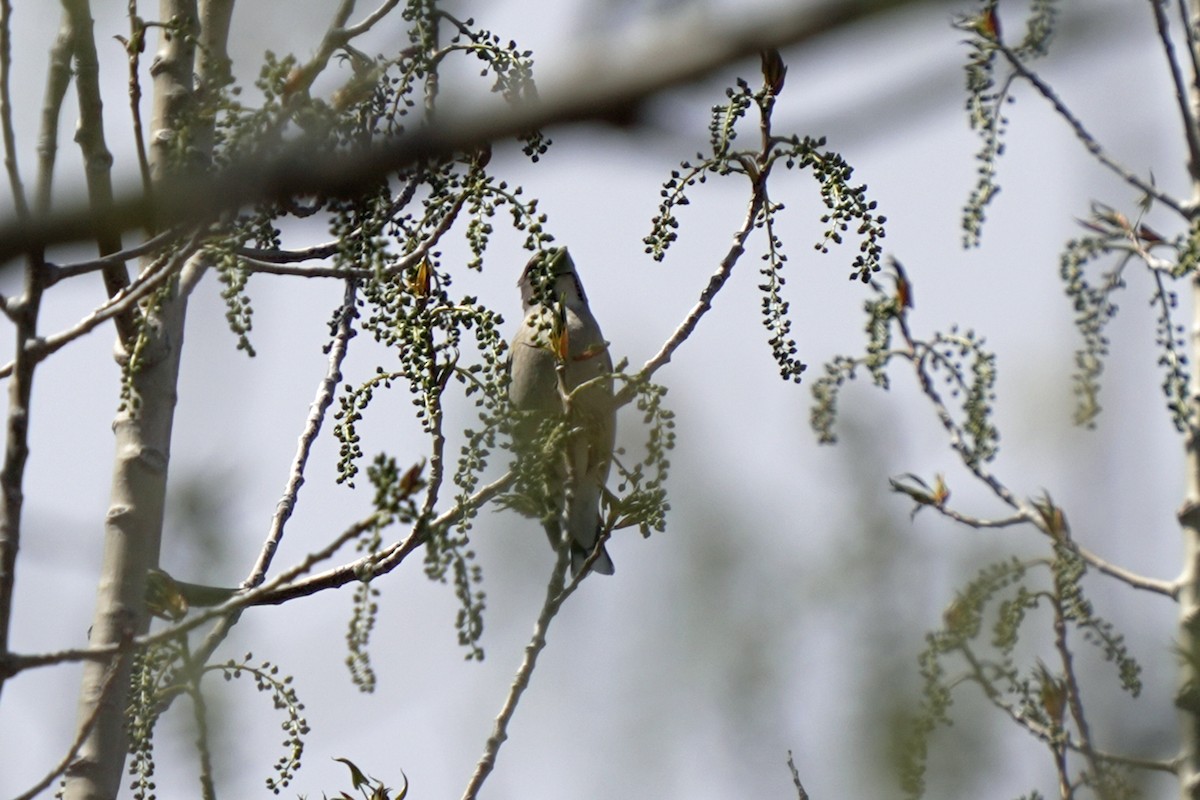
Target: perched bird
(559,329)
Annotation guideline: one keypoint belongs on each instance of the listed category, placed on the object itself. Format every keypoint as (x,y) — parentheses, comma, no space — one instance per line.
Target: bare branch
(6,122)
(1025,515)
(681,52)
(58,78)
(800,793)
(1074,697)
(287,503)
(555,596)
(1090,142)
(97,160)
(123,301)
(312,427)
(340,273)
(133,54)
(1190,132)
(24,312)
(56,273)
(1128,577)
(335,37)
(282,588)
(14,663)
(208,789)
(979,676)
(390,557)
(980,523)
(715,282)
(317,252)
(109,680)
(368,23)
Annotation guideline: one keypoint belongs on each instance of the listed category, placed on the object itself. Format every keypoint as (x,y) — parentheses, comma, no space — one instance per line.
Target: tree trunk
(133,527)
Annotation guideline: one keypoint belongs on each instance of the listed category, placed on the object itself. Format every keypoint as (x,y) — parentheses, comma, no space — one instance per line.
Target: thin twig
(1074,698)
(20,202)
(556,595)
(1089,141)
(1190,132)
(1128,577)
(123,301)
(685,329)
(800,793)
(1026,515)
(388,558)
(1019,518)
(979,677)
(133,51)
(283,587)
(537,643)
(84,729)
(312,427)
(368,23)
(25,314)
(208,789)
(56,272)
(263,594)
(287,503)
(97,160)
(272,268)
(317,252)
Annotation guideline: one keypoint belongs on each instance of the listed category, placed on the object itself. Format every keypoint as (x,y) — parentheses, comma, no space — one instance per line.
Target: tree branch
(1190,132)
(15,663)
(1040,732)
(24,312)
(283,510)
(58,78)
(681,52)
(97,160)
(312,427)
(1025,515)
(56,272)
(378,14)
(387,559)
(282,588)
(6,123)
(84,730)
(555,596)
(1074,697)
(685,329)
(1187,210)
(146,283)
(801,794)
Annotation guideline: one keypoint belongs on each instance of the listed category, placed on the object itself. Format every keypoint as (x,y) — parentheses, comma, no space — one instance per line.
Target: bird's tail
(584,521)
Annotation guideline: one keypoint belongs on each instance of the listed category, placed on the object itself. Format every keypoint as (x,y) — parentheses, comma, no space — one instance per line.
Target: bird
(559,328)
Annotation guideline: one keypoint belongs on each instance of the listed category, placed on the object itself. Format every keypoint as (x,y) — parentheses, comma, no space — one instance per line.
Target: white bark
(133,527)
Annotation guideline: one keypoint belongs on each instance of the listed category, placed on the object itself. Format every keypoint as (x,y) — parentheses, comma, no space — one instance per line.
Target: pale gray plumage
(534,386)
